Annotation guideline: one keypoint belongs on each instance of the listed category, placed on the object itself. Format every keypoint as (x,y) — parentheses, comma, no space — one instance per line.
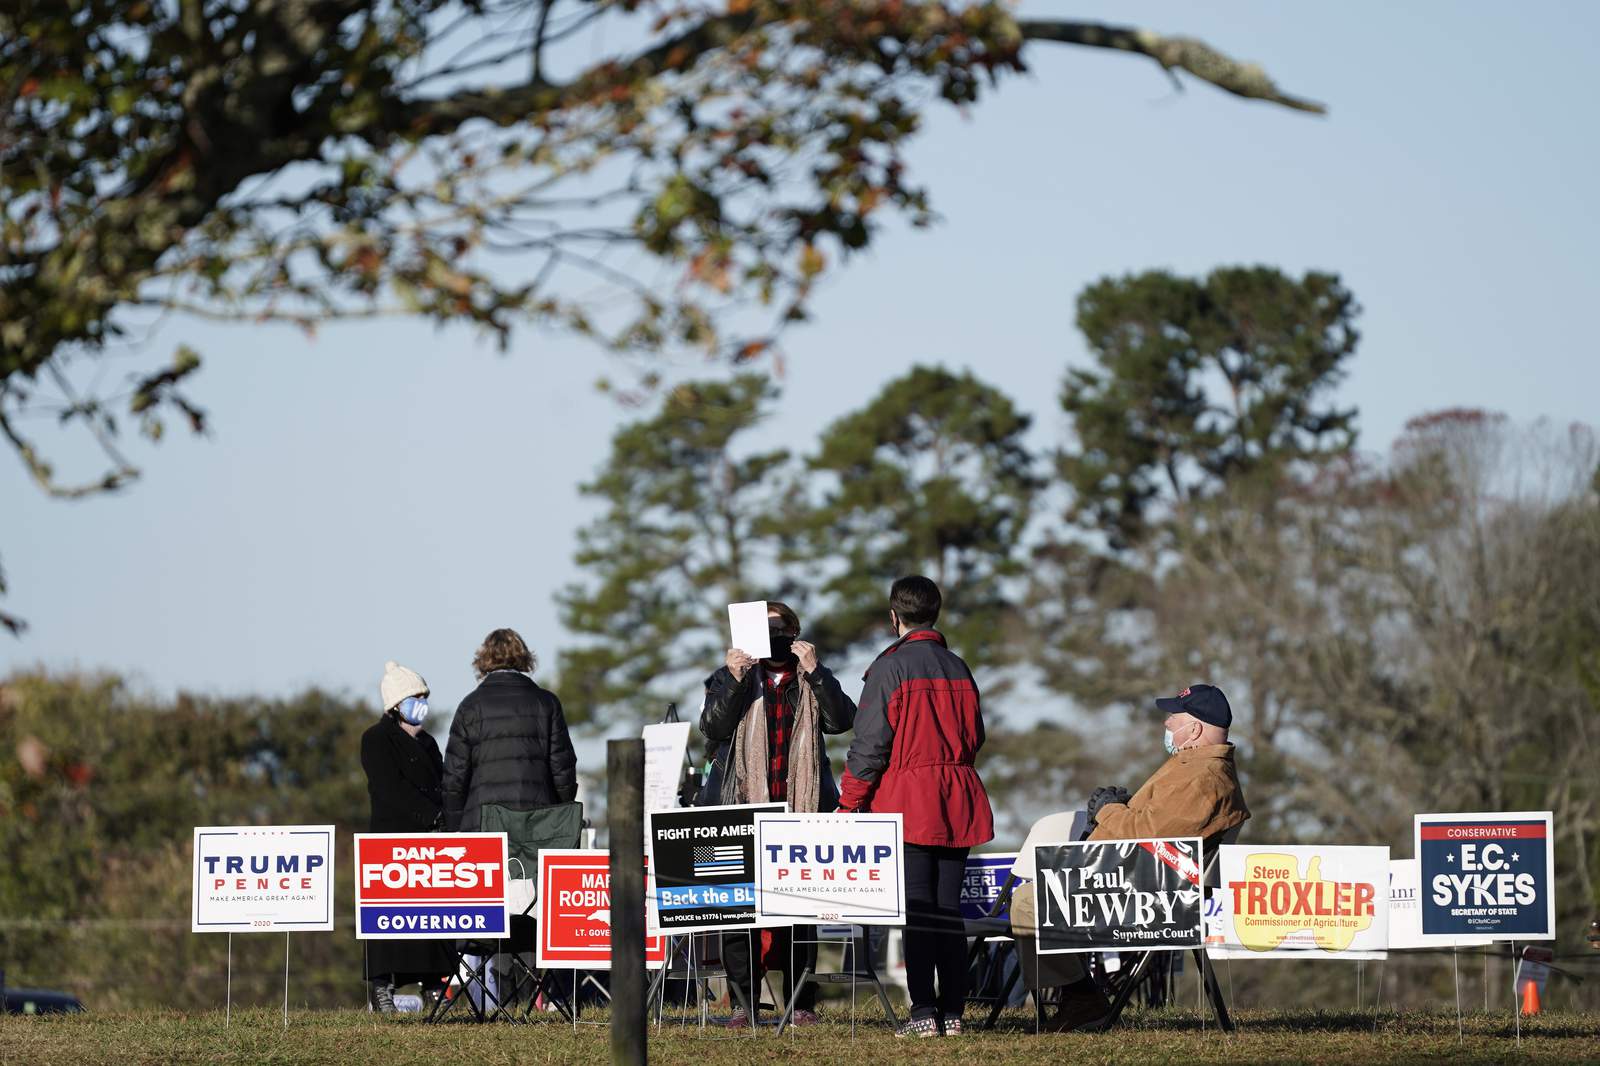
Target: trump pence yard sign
(430,886)
(262,879)
(830,868)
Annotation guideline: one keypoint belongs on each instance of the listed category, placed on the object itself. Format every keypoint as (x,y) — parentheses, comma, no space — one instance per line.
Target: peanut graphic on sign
(1274,901)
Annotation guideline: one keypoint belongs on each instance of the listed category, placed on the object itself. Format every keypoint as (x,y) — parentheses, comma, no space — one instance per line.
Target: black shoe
(382,997)
(1082,1006)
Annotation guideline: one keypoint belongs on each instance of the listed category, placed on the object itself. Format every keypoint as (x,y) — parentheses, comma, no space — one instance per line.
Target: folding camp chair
(1134,975)
(527,834)
(857,966)
(1049,829)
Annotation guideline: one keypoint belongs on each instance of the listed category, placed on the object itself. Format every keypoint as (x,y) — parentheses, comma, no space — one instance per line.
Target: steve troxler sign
(704,864)
(1118,895)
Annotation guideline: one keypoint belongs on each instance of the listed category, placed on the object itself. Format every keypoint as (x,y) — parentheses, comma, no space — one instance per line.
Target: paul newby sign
(430,886)
(704,863)
(1118,895)
(1486,875)
(260,879)
(830,868)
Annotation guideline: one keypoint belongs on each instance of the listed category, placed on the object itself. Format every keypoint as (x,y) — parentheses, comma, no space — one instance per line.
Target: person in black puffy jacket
(508,742)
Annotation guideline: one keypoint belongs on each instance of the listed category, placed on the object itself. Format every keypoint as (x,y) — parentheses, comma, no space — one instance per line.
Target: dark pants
(736,959)
(935,936)
(1047,971)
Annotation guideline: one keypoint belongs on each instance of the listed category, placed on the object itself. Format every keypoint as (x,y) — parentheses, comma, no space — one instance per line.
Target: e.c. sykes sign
(1487,875)
(431,886)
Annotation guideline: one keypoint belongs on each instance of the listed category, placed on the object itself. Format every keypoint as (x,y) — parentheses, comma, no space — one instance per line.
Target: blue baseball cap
(1205,702)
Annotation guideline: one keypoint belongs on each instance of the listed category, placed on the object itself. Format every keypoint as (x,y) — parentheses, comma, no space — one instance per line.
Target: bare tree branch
(1184,53)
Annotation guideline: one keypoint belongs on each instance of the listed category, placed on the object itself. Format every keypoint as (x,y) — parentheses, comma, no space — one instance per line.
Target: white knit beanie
(398,683)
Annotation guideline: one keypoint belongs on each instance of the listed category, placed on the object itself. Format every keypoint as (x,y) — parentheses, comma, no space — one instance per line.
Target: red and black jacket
(918,730)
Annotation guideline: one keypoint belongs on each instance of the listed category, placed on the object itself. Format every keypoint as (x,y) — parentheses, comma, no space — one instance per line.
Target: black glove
(1103,795)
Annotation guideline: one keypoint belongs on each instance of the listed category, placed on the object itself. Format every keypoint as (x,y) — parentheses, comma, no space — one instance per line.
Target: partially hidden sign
(704,863)
(261,879)
(1486,875)
(830,868)
(1405,912)
(1118,895)
(980,886)
(431,886)
(1302,901)
(574,927)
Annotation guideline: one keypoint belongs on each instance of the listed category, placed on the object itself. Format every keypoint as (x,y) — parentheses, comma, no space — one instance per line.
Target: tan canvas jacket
(1195,793)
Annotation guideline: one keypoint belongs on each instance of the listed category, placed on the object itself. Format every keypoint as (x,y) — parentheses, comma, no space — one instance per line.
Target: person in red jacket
(919,726)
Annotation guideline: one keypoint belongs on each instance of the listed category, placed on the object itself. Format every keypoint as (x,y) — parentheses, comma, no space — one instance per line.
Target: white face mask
(1168,743)
(413,710)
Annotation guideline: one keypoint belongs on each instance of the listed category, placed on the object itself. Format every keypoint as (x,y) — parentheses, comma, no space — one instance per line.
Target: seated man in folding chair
(1195,793)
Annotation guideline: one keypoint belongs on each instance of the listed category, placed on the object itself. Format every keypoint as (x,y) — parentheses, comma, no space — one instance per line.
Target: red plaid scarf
(780,727)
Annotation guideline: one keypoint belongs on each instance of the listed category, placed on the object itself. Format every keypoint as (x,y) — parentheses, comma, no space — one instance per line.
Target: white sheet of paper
(748,621)
(664,748)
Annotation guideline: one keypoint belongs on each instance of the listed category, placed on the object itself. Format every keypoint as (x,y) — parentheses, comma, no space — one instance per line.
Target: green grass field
(329,1037)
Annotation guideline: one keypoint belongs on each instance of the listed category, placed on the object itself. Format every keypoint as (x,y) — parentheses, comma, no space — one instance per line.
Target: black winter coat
(508,745)
(404,774)
(727,700)
(403,779)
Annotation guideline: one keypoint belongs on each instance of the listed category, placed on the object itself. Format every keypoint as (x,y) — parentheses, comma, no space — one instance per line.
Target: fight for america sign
(704,862)
(262,879)
(1487,875)
(1118,895)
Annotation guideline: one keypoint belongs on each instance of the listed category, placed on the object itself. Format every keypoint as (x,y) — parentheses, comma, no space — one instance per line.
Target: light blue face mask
(413,709)
(1172,749)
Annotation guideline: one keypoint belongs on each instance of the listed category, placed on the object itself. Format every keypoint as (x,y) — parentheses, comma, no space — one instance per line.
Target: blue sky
(395,491)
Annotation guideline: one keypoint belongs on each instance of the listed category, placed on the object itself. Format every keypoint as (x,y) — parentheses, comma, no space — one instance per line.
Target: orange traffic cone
(1530,997)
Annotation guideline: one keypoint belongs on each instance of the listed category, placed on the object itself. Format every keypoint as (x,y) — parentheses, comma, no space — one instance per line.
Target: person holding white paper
(765,720)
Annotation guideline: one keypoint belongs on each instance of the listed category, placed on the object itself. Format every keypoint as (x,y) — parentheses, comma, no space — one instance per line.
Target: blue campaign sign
(702,861)
(981,885)
(1487,875)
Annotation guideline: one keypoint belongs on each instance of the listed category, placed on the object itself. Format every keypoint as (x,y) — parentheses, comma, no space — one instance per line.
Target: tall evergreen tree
(1198,382)
(931,476)
(684,529)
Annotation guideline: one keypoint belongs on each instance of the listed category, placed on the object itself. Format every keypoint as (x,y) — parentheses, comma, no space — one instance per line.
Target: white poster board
(1303,901)
(262,879)
(1405,912)
(748,624)
(664,748)
(830,868)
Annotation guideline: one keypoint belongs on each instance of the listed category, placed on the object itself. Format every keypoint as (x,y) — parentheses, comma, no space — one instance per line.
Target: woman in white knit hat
(405,773)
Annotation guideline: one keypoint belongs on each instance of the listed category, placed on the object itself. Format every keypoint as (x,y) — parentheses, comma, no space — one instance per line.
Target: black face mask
(781,645)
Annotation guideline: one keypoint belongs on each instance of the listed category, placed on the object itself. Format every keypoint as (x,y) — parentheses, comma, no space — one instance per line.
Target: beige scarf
(750,770)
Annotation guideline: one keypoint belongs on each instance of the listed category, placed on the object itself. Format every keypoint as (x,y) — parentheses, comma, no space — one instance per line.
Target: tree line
(1408,631)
